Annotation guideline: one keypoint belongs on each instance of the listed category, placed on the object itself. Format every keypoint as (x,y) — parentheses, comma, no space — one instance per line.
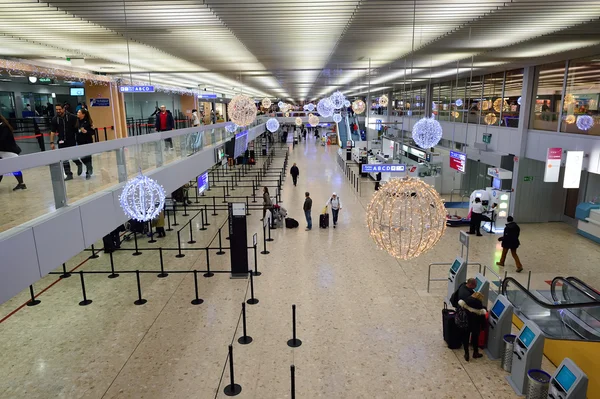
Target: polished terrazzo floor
(369,328)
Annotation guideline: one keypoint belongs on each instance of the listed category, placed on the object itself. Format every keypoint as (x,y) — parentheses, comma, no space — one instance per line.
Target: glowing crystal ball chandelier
(500,103)
(280,104)
(519,100)
(570,119)
(231,127)
(383,101)
(242,110)
(427,132)
(490,118)
(310,107)
(325,108)
(584,122)
(459,102)
(272,125)
(266,103)
(313,120)
(406,217)
(337,118)
(346,104)
(358,106)
(298,121)
(337,99)
(142,198)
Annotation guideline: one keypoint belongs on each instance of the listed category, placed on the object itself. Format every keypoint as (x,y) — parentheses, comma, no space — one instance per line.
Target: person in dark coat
(85,135)
(473,304)
(165,122)
(64,125)
(10,149)
(510,241)
(464,291)
(295,172)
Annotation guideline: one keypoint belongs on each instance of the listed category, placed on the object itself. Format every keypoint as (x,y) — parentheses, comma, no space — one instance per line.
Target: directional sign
(100,102)
(202,182)
(458,161)
(136,89)
(387,167)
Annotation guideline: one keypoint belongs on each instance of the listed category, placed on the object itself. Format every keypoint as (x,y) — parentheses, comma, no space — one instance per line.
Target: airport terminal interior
(273,199)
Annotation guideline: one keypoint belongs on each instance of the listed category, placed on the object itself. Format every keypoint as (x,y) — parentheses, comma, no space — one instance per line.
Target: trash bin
(509,344)
(538,384)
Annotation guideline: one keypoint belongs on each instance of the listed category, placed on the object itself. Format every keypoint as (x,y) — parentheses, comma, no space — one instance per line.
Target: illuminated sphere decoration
(455,114)
(427,132)
(519,100)
(490,119)
(313,120)
(310,107)
(459,102)
(298,121)
(570,119)
(272,125)
(406,217)
(266,103)
(325,107)
(346,104)
(231,127)
(500,103)
(383,101)
(358,106)
(485,105)
(337,99)
(337,118)
(585,122)
(280,104)
(142,198)
(242,110)
(287,114)
(570,99)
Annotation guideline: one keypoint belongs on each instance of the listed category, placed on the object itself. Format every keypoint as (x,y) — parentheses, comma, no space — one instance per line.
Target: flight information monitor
(241,143)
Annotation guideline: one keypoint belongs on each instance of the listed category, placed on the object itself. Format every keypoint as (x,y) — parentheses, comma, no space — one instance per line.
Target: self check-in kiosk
(456,276)
(483,287)
(568,382)
(500,324)
(527,354)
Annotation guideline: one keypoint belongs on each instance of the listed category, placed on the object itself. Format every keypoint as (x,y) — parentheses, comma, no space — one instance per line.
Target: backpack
(461,319)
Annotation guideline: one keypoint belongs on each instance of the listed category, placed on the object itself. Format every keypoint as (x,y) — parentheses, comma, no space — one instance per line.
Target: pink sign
(554,153)
(553,159)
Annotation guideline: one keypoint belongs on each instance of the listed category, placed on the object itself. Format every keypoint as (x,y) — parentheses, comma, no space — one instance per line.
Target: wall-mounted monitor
(496,183)
(77,91)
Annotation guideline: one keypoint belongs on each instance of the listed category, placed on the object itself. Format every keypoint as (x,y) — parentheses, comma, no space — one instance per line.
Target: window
(548,99)
(444,108)
(473,100)
(7,104)
(458,103)
(582,96)
(513,87)
(493,104)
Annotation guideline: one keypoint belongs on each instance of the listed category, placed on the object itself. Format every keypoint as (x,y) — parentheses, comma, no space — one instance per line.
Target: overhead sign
(45,81)
(487,138)
(202,182)
(573,169)
(100,102)
(136,89)
(553,159)
(207,95)
(238,209)
(499,173)
(458,161)
(387,167)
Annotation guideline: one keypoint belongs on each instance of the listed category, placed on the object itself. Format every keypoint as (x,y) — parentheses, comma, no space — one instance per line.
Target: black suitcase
(324,220)
(452,334)
(109,243)
(291,223)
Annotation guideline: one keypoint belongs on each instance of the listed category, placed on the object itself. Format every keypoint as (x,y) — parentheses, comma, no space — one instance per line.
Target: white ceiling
(296,49)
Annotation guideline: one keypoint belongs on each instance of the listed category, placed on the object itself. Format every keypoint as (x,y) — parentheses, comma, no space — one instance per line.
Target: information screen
(479,284)
(241,142)
(565,378)
(455,265)
(498,308)
(202,182)
(77,91)
(527,337)
(458,161)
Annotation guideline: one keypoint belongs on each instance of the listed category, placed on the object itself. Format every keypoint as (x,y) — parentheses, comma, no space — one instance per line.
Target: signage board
(458,161)
(202,182)
(487,138)
(573,168)
(45,81)
(77,91)
(378,125)
(136,89)
(99,102)
(238,209)
(463,238)
(553,159)
(499,173)
(207,95)
(349,144)
(527,178)
(385,167)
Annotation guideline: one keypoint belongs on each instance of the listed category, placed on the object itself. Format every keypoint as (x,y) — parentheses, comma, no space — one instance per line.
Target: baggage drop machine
(568,382)
(527,354)
(500,324)
(456,276)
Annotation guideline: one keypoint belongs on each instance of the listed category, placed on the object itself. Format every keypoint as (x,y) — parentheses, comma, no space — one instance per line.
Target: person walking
(195,118)
(10,149)
(267,203)
(307,208)
(476,212)
(64,125)
(165,122)
(85,135)
(336,207)
(510,241)
(295,172)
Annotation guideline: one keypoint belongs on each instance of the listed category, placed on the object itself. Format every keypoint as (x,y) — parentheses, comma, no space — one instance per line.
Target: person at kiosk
(474,306)
(464,291)
(476,216)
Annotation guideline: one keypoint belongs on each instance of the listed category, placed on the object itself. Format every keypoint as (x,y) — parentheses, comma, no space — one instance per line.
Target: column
(188,103)
(106,109)
(390,105)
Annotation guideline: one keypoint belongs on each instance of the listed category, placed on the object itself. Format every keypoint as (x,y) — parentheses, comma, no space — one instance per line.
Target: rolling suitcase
(452,335)
(324,220)
(483,334)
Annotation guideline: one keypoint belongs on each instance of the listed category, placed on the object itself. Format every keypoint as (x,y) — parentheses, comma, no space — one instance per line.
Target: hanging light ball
(325,107)
(231,127)
(500,103)
(346,104)
(142,198)
(287,114)
(272,125)
(280,104)
(266,103)
(313,120)
(570,99)
(406,217)
(305,107)
(337,118)
(485,105)
(383,101)
(585,122)
(490,118)
(310,107)
(455,114)
(337,99)
(427,132)
(358,106)
(242,110)
(570,119)
(298,121)
(459,102)
(519,100)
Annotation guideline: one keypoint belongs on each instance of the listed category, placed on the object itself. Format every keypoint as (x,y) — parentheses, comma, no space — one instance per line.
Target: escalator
(342,129)
(352,120)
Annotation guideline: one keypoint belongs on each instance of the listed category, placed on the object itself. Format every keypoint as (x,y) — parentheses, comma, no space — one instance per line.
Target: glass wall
(7,104)
(581,97)
(410,101)
(546,107)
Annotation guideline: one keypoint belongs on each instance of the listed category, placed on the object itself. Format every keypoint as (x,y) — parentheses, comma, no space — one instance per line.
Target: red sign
(458,161)
(554,153)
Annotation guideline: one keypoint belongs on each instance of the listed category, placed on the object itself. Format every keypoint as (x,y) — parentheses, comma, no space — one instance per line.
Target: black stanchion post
(293,381)
(196,300)
(294,342)
(179,255)
(168,220)
(232,389)
(253,192)
(233,183)
(152,240)
(136,253)
(140,300)
(224,195)
(247,207)
(175,214)
(202,228)
(94,253)
(162,273)
(206,215)
(191,241)
(214,207)
(256,272)
(112,267)
(85,301)
(244,339)
(208,272)
(252,300)
(65,274)
(227,186)
(269,227)
(264,251)
(34,301)
(185,207)
(221,252)
(197,202)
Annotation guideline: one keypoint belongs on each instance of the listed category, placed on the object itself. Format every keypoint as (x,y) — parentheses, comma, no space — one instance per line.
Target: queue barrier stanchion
(252,300)
(233,182)
(244,339)
(85,301)
(214,207)
(224,199)
(179,255)
(65,274)
(253,191)
(94,254)
(112,267)
(264,251)
(162,273)
(256,272)
(208,272)
(197,202)
(175,214)
(137,252)
(206,215)
(247,207)
(140,300)
(168,220)
(152,240)
(32,301)
(220,252)
(202,228)
(185,207)
(191,241)
(196,300)
(232,389)
(269,228)
(294,342)
(293,381)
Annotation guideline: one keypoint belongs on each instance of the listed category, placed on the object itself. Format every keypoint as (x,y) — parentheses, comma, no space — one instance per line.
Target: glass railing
(112,161)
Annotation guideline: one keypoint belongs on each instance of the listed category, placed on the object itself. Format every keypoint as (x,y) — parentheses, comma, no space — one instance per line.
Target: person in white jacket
(336,207)
(195,118)
(474,306)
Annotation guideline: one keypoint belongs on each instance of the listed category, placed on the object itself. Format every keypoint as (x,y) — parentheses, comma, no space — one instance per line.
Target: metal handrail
(429,279)
(495,274)
(580,282)
(566,283)
(459,191)
(545,305)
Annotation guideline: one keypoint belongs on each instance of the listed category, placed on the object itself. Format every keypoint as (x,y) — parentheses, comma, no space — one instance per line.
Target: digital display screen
(241,143)
(496,183)
(77,91)
(479,284)
(458,161)
(202,182)
(455,265)
(498,308)
(565,378)
(527,337)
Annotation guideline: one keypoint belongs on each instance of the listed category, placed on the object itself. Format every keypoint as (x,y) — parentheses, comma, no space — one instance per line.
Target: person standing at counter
(336,207)
(476,213)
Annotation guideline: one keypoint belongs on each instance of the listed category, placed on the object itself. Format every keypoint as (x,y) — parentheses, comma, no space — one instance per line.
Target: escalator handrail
(545,305)
(587,287)
(565,282)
